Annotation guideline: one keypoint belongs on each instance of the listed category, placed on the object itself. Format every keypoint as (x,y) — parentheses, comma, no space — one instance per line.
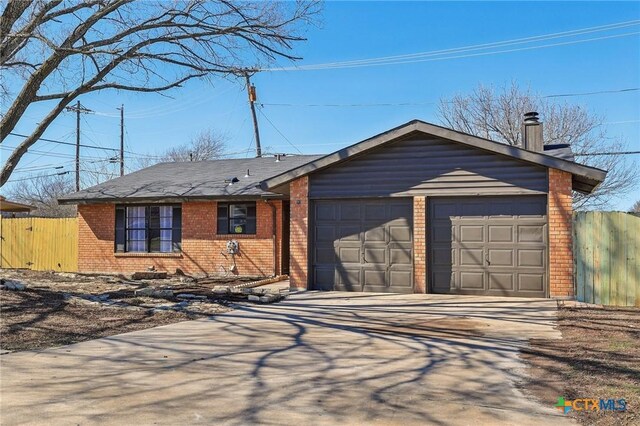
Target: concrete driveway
(318,358)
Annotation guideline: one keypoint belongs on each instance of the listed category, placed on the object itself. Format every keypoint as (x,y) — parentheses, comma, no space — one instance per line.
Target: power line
(428,55)
(600,92)
(84,146)
(37,177)
(278,130)
(564,95)
(607,153)
(65,143)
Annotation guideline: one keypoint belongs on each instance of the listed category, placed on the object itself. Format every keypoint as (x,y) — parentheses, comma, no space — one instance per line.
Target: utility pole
(121,139)
(78,109)
(251,91)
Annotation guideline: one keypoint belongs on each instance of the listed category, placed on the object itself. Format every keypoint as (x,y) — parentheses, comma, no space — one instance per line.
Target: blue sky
(361,30)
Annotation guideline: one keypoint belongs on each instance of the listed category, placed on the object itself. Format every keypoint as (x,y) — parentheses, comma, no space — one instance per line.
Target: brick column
(419,245)
(298,260)
(560,234)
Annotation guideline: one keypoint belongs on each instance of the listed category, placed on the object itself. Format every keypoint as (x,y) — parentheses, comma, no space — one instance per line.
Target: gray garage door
(363,245)
(488,246)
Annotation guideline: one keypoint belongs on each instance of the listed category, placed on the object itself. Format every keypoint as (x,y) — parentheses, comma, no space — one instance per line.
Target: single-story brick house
(419,208)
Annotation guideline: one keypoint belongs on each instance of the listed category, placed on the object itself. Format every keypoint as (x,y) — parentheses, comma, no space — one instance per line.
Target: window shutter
(176,231)
(223,219)
(120,231)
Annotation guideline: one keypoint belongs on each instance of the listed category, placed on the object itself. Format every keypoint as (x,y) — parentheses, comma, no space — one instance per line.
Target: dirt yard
(60,309)
(597,357)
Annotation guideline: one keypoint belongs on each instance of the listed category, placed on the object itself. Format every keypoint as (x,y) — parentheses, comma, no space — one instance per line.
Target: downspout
(274,236)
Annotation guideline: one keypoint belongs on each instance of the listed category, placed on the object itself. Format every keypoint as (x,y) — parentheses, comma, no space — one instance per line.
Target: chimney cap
(531,117)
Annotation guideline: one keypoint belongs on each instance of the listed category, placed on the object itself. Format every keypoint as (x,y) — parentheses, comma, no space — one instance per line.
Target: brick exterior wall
(298,263)
(560,234)
(201,246)
(419,245)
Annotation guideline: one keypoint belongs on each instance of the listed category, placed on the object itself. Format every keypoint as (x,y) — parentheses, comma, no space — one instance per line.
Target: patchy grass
(36,319)
(54,309)
(597,357)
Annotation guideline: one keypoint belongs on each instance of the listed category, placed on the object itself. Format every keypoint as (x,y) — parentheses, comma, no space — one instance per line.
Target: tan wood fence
(606,248)
(40,244)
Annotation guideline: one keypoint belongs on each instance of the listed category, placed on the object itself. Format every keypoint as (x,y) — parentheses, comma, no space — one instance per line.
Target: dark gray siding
(433,166)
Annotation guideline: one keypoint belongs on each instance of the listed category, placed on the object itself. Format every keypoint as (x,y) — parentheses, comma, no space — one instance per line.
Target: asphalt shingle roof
(198,179)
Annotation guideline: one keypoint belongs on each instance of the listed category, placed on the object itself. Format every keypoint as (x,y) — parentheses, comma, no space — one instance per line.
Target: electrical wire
(428,55)
(278,130)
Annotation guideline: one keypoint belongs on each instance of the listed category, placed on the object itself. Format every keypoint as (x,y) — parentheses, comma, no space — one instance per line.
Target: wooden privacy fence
(40,244)
(606,247)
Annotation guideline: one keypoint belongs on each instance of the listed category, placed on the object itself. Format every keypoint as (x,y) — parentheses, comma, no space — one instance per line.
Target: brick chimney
(532,133)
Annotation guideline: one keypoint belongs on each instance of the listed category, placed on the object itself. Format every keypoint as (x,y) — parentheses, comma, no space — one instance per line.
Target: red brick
(202,248)
(560,234)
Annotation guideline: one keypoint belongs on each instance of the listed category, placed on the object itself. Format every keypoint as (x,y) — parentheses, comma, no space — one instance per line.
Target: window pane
(238,226)
(120,230)
(223,224)
(238,211)
(166,216)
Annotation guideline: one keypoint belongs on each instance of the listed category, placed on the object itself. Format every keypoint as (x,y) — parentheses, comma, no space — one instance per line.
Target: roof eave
(138,200)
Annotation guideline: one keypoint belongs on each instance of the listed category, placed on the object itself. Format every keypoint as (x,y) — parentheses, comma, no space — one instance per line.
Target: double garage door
(480,245)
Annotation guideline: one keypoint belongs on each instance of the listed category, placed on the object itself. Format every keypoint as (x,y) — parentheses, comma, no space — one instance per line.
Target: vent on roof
(279,157)
(248,174)
(231,181)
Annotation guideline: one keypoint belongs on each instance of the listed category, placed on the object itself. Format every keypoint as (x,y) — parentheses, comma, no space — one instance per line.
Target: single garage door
(488,246)
(363,245)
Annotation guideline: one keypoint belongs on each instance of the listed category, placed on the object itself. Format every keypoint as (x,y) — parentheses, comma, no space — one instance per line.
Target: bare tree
(498,114)
(42,191)
(636,207)
(54,51)
(206,145)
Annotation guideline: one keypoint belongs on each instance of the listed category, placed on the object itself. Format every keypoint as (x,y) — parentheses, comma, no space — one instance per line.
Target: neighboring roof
(560,150)
(13,207)
(191,180)
(585,178)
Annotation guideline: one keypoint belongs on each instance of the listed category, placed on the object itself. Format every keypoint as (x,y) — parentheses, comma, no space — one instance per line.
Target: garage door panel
(471,257)
(375,255)
(401,278)
(325,233)
(403,211)
(500,257)
(471,233)
(325,277)
(442,232)
(373,233)
(501,281)
(442,256)
(530,282)
(399,234)
(375,212)
(472,280)
(350,211)
(375,277)
(325,212)
(366,243)
(531,258)
(325,255)
(349,232)
(488,245)
(500,233)
(531,234)
(348,278)
(400,255)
